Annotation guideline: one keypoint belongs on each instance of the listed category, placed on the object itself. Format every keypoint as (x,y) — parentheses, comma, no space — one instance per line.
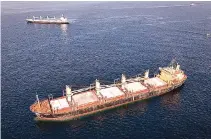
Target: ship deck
(89,101)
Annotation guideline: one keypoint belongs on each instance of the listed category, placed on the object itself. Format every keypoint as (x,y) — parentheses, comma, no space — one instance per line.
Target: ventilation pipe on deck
(146,74)
(123,80)
(97,87)
(69,93)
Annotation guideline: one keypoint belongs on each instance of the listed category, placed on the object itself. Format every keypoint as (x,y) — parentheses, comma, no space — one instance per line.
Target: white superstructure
(48,20)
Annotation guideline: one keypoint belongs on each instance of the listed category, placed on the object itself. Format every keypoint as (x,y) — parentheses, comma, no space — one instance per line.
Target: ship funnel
(97,87)
(69,93)
(123,80)
(146,74)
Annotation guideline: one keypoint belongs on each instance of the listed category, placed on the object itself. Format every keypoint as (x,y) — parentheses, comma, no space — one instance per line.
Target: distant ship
(79,103)
(192,4)
(48,20)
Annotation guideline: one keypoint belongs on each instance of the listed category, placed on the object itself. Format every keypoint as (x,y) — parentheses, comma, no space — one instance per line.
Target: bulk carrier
(97,97)
(48,20)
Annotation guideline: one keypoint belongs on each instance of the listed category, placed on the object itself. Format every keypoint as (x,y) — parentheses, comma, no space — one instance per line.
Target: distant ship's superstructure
(48,20)
(97,97)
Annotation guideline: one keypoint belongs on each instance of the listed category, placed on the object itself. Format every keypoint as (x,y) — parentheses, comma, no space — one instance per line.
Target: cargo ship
(48,20)
(78,103)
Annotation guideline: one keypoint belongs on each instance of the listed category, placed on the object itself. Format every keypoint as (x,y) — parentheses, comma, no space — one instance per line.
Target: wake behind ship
(96,98)
(48,20)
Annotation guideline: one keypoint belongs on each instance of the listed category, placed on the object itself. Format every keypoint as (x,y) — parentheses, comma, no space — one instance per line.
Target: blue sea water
(104,40)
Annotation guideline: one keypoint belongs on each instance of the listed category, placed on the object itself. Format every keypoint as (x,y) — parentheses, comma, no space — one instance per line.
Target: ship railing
(135,76)
(135,79)
(82,90)
(138,77)
(52,17)
(116,80)
(44,18)
(107,86)
(92,87)
(35,17)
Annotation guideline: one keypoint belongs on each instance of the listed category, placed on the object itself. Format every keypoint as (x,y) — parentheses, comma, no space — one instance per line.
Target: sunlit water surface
(104,40)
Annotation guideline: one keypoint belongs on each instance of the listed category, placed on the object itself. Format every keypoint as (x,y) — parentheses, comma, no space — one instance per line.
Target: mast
(69,93)
(97,87)
(146,74)
(178,67)
(38,101)
(123,80)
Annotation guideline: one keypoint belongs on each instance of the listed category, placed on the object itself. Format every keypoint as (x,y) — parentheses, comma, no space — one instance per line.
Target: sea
(102,41)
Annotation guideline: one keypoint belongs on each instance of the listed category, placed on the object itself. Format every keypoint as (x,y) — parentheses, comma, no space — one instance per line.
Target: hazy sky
(20,7)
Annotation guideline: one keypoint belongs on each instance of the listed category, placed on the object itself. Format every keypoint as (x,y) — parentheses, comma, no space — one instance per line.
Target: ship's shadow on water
(169,101)
(49,126)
